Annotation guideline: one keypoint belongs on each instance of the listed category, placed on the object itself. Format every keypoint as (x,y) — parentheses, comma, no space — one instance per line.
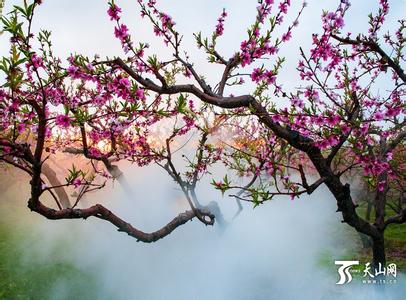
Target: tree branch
(224,102)
(232,63)
(112,169)
(373,46)
(398,219)
(343,138)
(294,138)
(103,213)
(397,140)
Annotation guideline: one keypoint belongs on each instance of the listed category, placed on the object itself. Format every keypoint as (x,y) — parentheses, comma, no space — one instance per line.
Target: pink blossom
(272,50)
(381,186)
(140,94)
(286,36)
(312,94)
(95,152)
(378,116)
(187,73)
(166,21)
(339,22)
(37,61)
(245,59)
(283,7)
(77,183)
(392,112)
(21,128)
(121,32)
(122,86)
(189,123)
(297,102)
(257,75)
(276,118)
(364,129)
(333,120)
(270,77)
(220,23)
(345,129)
(157,31)
(74,72)
(114,12)
(63,120)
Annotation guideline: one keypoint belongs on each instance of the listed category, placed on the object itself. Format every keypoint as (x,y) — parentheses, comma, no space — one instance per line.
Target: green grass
(395,245)
(395,239)
(396,232)
(26,271)
(393,231)
(32,276)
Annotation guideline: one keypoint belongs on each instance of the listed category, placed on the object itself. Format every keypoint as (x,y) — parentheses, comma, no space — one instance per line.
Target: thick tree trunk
(378,241)
(378,252)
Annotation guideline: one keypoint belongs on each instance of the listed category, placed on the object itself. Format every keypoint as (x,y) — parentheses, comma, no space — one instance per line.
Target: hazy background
(272,252)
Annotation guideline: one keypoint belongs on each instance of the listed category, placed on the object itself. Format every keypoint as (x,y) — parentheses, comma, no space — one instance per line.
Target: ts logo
(344,270)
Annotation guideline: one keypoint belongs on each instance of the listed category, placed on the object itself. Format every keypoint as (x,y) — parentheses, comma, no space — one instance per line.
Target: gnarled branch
(99,211)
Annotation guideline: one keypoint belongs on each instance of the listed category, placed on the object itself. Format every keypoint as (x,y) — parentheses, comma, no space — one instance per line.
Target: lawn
(395,239)
(26,271)
(25,275)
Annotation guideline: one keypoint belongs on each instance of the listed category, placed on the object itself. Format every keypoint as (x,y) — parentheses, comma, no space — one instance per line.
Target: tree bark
(378,251)
(99,211)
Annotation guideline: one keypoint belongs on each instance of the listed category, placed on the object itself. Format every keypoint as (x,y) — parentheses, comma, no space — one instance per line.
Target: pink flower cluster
(189,124)
(63,121)
(259,74)
(220,23)
(114,12)
(121,32)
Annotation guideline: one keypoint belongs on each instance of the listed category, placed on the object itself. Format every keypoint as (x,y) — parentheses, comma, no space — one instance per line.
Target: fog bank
(271,252)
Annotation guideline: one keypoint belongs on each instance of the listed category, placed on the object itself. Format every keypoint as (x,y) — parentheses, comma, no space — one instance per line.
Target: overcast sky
(84,27)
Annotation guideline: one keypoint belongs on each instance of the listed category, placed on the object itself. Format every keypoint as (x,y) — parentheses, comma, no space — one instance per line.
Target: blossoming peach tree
(144,109)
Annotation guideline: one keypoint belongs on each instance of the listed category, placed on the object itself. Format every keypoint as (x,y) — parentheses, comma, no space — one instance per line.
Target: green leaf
(181,104)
